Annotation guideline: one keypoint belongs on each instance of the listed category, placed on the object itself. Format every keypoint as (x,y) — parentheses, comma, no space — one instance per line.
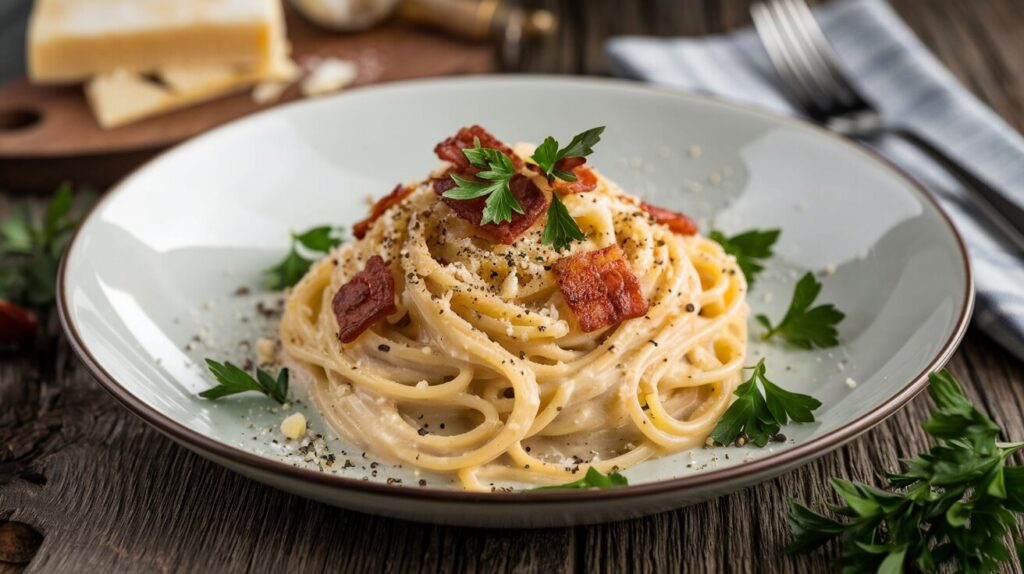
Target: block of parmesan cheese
(73,40)
(121,97)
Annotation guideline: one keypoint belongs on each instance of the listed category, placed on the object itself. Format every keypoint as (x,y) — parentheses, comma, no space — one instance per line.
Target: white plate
(159,259)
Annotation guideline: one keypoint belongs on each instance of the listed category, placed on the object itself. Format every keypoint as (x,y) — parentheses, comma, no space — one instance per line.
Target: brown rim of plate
(799,454)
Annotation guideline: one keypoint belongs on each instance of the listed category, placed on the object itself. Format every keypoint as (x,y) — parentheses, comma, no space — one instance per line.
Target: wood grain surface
(84,486)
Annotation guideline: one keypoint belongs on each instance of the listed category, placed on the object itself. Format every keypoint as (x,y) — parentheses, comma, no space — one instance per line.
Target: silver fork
(808,67)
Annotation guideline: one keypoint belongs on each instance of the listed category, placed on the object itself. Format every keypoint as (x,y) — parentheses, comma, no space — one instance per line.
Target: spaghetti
(481,368)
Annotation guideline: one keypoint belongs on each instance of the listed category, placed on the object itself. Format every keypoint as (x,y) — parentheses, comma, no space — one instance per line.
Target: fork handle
(1003,212)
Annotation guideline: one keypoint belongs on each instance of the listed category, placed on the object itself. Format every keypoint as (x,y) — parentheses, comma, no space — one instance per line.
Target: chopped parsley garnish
(561,229)
(547,154)
(231,380)
(761,410)
(593,479)
(804,326)
(291,269)
(30,250)
(497,169)
(950,509)
(748,247)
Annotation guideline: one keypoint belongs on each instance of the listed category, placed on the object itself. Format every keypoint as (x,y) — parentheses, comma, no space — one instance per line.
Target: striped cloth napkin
(890,66)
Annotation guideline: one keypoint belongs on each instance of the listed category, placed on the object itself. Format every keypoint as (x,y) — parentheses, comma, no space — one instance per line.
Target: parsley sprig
(291,269)
(547,155)
(561,229)
(761,409)
(952,506)
(232,380)
(749,247)
(593,479)
(497,169)
(804,326)
(30,249)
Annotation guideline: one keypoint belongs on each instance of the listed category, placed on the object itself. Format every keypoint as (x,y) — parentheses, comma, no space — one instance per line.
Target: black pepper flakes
(384,348)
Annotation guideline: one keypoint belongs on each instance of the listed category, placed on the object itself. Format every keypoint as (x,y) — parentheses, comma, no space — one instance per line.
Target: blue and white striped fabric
(891,67)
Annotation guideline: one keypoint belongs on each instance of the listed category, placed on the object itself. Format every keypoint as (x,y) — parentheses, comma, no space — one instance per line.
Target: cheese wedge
(73,40)
(122,97)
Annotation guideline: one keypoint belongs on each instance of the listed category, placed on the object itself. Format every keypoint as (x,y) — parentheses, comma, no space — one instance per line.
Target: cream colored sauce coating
(522,393)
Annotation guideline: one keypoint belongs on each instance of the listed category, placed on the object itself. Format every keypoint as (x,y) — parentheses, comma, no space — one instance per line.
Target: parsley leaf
(290,270)
(804,326)
(748,248)
(951,508)
(547,154)
(593,479)
(231,380)
(761,410)
(30,250)
(497,169)
(561,229)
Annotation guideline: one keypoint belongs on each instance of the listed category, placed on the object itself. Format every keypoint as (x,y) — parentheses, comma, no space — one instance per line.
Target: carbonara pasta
(481,369)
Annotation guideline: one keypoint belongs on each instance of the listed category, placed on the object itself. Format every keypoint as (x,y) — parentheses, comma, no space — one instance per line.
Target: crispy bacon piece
(383,204)
(18,326)
(600,288)
(675,221)
(367,298)
(450,150)
(530,197)
(586,180)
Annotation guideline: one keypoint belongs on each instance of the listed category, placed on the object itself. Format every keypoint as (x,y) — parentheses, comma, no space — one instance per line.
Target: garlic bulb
(346,15)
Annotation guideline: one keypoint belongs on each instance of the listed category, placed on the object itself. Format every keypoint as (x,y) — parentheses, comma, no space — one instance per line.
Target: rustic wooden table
(103,492)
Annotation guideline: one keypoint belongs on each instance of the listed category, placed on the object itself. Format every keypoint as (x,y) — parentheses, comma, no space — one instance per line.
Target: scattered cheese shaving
(294,427)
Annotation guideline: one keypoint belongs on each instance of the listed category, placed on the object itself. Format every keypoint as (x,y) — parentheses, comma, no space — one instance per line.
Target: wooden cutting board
(48,134)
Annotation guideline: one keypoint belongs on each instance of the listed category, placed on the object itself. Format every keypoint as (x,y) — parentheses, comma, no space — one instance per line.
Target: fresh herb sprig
(547,155)
(291,269)
(561,229)
(593,479)
(749,248)
(30,250)
(497,170)
(232,380)
(952,506)
(805,326)
(761,409)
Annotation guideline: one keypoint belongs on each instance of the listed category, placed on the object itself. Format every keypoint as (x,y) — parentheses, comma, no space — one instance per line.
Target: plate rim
(798,455)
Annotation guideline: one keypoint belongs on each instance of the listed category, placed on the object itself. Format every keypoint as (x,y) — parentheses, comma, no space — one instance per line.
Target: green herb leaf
(320,239)
(30,252)
(547,154)
(317,241)
(497,170)
(593,479)
(804,326)
(950,509)
(16,233)
(761,409)
(231,381)
(288,272)
(748,248)
(561,229)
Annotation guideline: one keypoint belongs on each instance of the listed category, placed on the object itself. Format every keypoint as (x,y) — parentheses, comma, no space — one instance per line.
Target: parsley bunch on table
(31,248)
(951,507)
(761,409)
(291,269)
